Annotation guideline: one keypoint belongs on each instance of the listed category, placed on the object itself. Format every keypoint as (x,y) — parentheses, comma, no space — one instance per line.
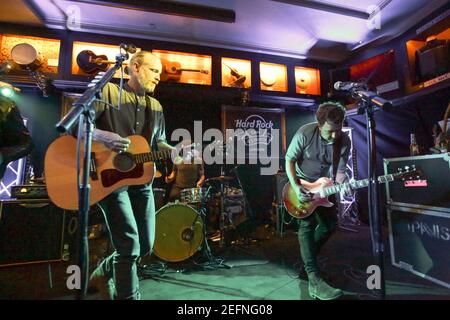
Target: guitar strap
(336,157)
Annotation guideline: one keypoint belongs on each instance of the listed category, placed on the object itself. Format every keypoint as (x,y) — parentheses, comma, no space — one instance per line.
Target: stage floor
(263,267)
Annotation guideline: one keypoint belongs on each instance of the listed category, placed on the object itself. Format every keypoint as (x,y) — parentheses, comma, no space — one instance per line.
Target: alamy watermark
(374,21)
(73,22)
(259,143)
(374,279)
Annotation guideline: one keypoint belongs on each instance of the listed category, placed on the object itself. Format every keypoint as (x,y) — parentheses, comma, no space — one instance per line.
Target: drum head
(179,232)
(24,54)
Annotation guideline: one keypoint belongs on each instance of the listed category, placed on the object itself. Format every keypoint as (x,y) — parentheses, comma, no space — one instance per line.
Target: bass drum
(179,232)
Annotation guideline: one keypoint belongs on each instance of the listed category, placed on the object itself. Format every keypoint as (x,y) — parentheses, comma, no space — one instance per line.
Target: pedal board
(29,191)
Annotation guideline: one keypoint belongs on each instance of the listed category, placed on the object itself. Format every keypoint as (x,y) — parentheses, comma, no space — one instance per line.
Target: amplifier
(432,192)
(33,231)
(29,191)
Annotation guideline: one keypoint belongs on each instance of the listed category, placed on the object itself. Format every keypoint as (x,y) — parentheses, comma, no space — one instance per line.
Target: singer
(130,211)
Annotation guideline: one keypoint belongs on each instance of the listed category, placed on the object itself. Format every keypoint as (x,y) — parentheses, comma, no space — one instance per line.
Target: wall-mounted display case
(273,77)
(307,81)
(236,73)
(30,53)
(90,58)
(429,56)
(185,67)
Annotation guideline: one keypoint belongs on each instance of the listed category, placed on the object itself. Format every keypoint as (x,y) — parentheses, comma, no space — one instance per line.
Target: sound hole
(124,162)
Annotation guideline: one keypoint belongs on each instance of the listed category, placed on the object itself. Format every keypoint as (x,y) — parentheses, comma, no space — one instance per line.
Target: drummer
(187,172)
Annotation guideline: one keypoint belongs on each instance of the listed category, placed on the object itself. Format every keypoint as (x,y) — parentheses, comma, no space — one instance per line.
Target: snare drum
(192,195)
(179,232)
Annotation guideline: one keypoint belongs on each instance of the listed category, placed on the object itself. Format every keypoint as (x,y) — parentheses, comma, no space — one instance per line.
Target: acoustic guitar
(109,170)
(89,62)
(320,192)
(172,71)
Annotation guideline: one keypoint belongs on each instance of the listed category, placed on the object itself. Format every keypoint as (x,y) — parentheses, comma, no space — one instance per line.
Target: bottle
(413,146)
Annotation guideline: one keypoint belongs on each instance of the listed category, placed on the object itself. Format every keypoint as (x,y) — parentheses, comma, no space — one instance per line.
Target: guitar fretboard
(152,156)
(357,184)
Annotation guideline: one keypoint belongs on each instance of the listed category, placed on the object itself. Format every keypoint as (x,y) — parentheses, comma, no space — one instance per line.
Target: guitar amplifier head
(31,191)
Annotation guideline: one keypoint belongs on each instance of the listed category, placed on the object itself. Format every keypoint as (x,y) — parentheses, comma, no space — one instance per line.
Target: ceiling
(314,29)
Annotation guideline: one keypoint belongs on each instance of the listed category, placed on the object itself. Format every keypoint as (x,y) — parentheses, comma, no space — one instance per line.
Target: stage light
(7,90)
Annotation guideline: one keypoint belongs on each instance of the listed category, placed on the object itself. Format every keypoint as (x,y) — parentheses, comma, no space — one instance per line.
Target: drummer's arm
(201,173)
(171,177)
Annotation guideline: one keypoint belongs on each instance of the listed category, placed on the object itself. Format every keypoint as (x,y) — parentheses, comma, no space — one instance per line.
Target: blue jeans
(313,232)
(130,218)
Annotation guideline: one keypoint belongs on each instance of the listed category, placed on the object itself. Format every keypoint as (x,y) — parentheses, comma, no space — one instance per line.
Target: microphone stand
(368,108)
(83,112)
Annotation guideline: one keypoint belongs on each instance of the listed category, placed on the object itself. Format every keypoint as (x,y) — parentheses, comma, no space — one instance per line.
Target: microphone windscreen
(337,85)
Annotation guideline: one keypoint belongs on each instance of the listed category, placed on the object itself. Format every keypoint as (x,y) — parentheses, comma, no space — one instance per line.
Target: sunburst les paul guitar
(109,170)
(321,191)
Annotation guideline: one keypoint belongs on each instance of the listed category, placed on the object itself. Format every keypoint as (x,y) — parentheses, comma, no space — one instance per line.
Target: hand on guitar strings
(303,194)
(112,140)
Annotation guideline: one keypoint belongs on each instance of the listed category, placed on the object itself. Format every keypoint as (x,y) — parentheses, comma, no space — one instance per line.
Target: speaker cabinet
(33,231)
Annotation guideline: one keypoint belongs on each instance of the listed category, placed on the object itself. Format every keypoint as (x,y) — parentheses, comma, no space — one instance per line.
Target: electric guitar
(320,191)
(109,170)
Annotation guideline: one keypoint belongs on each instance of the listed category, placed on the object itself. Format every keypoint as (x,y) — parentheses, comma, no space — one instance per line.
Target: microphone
(359,90)
(128,47)
(346,86)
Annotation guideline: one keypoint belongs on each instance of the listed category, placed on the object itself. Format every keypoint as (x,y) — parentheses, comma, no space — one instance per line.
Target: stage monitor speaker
(419,242)
(258,191)
(33,231)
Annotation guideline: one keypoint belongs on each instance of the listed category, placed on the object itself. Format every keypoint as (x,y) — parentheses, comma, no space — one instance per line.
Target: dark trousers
(313,232)
(130,218)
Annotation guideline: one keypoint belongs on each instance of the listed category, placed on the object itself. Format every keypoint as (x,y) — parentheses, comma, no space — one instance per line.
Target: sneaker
(104,285)
(319,289)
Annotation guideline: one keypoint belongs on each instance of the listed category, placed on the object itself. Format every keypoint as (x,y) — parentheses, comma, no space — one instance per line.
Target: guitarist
(130,211)
(317,151)
(15,140)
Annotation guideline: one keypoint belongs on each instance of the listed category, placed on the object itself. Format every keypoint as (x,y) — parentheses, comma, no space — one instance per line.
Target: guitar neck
(152,156)
(357,184)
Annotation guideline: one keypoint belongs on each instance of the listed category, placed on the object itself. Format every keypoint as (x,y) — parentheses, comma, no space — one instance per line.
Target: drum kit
(181,226)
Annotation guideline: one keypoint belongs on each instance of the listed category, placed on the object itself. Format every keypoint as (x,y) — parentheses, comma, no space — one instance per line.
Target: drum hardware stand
(212,262)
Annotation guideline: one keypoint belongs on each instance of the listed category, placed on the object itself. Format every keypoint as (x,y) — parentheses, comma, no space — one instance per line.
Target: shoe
(104,285)
(319,289)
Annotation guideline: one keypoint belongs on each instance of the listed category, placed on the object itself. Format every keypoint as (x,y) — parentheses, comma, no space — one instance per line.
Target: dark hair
(330,111)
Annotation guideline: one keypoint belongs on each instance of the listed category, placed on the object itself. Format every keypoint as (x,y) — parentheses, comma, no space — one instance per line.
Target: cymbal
(221,178)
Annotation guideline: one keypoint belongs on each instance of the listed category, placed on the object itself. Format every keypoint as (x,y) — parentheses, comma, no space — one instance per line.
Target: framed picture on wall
(255,129)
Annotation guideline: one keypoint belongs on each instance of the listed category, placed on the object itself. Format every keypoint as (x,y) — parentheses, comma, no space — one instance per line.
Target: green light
(7,92)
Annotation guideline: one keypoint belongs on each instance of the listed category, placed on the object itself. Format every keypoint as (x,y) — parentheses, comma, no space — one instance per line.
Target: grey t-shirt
(313,155)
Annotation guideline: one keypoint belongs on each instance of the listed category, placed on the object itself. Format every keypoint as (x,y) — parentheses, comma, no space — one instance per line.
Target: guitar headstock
(408,173)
